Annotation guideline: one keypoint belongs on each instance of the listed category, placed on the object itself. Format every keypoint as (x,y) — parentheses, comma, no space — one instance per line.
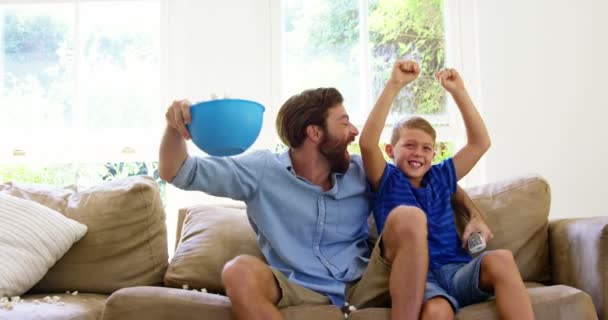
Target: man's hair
(412,123)
(307,108)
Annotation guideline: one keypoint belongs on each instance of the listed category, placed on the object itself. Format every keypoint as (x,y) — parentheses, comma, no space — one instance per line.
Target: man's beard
(334,151)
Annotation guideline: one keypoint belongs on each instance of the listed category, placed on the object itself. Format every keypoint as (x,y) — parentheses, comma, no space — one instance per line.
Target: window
(352,44)
(79,89)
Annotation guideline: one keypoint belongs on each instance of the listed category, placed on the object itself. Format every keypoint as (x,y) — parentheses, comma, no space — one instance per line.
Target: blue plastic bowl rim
(230,100)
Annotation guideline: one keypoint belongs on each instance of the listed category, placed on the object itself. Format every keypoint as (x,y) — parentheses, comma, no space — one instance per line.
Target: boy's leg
(499,272)
(256,291)
(401,247)
(437,308)
(405,247)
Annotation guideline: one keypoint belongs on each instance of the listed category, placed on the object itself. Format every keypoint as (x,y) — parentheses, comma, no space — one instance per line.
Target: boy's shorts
(371,290)
(457,282)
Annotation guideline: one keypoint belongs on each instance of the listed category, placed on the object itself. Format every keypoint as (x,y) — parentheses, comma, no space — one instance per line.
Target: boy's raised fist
(404,72)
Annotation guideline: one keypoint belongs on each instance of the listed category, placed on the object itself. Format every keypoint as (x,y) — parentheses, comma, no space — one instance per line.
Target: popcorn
(75,293)
(3,300)
(185,286)
(203,290)
(15,299)
(347,309)
(36,301)
(7,305)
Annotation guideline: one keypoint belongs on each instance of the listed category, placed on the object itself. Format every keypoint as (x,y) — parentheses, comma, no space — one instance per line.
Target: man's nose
(354,131)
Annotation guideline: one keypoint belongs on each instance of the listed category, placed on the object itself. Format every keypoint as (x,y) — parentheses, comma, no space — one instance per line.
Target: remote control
(476,243)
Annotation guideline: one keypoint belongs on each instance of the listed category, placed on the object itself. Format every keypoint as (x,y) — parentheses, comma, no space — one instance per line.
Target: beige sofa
(120,266)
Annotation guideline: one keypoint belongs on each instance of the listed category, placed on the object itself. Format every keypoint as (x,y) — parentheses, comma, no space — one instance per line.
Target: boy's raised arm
(478,139)
(403,73)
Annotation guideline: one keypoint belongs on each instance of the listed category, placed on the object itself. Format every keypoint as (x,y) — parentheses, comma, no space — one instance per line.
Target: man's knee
(405,223)
(247,278)
(437,308)
(244,273)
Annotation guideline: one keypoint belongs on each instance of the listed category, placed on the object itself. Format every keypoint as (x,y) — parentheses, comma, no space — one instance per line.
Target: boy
(413,187)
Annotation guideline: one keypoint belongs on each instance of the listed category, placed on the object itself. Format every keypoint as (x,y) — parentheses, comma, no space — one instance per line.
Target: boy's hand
(450,80)
(476,224)
(404,72)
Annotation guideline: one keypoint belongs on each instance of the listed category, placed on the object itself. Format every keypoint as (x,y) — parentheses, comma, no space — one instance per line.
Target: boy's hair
(307,108)
(412,123)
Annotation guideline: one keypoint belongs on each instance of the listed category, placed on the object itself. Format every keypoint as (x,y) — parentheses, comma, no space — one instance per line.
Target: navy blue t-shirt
(434,198)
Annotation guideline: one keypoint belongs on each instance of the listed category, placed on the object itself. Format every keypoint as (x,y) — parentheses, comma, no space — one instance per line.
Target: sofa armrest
(579,257)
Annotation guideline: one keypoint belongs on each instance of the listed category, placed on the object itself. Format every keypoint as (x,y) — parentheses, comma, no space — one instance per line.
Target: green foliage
(411,29)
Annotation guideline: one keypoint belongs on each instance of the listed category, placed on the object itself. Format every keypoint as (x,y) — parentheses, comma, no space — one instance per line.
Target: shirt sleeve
(236,177)
(447,173)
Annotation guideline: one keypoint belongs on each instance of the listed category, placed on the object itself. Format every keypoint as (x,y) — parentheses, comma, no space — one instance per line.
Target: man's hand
(450,80)
(404,72)
(178,115)
(476,224)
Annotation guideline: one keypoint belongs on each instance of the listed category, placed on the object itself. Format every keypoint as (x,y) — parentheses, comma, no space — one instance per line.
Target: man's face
(340,132)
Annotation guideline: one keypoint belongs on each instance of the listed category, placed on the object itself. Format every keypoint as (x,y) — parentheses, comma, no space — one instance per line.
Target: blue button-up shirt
(316,238)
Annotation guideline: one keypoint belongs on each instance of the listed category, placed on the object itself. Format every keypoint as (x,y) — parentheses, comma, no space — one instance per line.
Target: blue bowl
(225,127)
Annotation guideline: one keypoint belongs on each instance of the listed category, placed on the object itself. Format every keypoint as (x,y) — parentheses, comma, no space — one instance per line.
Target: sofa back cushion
(516,210)
(210,237)
(126,242)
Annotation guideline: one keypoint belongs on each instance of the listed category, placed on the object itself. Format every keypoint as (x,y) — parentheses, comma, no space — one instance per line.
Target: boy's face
(413,153)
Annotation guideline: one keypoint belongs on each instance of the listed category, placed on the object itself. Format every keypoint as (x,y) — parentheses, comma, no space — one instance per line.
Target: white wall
(221,47)
(543,74)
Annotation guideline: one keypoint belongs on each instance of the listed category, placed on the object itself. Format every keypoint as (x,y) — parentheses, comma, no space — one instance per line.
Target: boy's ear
(314,133)
(389,150)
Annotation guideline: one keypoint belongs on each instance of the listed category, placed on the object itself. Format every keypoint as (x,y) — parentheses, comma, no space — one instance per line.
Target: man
(309,209)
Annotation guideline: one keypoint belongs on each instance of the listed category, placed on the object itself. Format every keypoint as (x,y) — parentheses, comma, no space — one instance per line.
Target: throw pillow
(211,236)
(33,238)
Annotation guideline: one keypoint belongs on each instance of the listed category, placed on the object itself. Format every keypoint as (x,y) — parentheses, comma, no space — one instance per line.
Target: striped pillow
(32,238)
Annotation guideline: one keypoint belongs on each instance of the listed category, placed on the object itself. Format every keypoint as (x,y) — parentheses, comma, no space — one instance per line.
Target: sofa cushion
(73,307)
(126,242)
(33,238)
(153,303)
(549,303)
(517,211)
(210,237)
